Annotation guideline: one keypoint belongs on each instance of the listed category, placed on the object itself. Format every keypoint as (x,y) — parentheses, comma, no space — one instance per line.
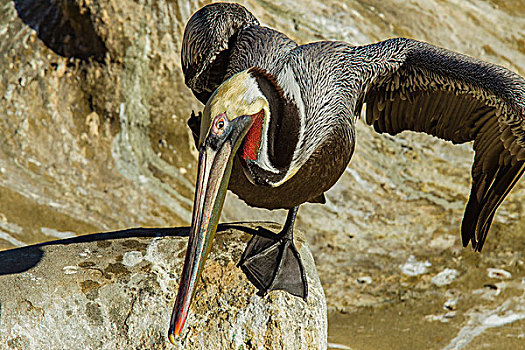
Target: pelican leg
(272,261)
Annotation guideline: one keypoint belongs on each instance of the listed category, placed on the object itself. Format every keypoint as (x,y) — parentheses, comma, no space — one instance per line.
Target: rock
(64,26)
(116,291)
(94,138)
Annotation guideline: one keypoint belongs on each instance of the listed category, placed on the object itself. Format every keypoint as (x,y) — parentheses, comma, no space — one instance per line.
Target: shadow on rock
(63,26)
(22,259)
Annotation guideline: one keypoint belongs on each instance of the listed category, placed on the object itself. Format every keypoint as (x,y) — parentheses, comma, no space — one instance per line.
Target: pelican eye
(219,125)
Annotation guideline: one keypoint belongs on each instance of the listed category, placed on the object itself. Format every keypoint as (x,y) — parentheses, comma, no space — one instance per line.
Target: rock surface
(116,291)
(94,138)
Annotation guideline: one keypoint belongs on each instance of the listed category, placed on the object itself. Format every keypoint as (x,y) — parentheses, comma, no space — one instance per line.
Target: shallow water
(93,146)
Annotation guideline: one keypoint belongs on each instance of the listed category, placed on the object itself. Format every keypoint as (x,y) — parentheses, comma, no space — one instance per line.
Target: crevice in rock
(63,26)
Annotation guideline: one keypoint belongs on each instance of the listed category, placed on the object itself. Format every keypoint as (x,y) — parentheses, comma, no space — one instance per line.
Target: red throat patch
(252,140)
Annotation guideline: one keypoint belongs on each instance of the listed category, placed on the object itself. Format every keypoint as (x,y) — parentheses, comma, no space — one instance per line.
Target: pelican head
(234,113)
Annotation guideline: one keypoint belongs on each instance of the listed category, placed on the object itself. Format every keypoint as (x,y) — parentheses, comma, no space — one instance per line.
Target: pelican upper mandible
(278,128)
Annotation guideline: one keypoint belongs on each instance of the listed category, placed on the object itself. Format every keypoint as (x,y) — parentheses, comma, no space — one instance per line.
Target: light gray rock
(116,291)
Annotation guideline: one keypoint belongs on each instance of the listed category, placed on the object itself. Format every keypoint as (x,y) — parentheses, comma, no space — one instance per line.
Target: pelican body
(278,127)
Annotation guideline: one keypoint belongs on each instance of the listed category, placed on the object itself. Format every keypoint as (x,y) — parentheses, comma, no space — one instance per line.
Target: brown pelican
(278,128)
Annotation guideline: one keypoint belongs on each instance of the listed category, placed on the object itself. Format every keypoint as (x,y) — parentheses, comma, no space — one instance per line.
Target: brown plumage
(299,105)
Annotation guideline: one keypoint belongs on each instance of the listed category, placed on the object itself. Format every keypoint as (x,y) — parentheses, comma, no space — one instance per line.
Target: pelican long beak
(215,163)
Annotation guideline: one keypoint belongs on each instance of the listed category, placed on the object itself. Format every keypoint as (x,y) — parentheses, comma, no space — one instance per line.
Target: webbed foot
(272,262)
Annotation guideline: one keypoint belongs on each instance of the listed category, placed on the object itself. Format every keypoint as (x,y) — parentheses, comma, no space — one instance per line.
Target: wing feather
(419,87)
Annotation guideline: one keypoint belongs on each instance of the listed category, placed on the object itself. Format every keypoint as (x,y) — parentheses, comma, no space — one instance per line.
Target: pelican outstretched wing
(412,85)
